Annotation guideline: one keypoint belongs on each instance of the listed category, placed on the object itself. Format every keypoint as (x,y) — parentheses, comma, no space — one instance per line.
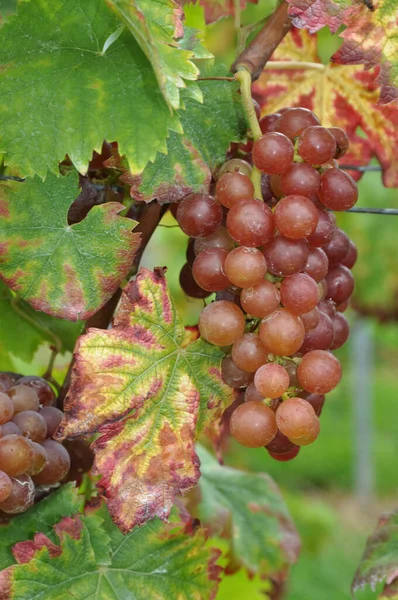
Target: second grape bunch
(281,270)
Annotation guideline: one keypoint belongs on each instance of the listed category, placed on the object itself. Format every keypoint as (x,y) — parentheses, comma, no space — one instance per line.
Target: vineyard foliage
(107,109)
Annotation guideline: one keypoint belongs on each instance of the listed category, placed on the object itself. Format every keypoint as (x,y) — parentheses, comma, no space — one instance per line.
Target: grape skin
(22,495)
(250,223)
(221,323)
(271,380)
(273,153)
(297,420)
(282,333)
(319,372)
(253,424)
(245,267)
(260,300)
(248,353)
(296,217)
(199,215)
(299,293)
(233,375)
(208,270)
(234,187)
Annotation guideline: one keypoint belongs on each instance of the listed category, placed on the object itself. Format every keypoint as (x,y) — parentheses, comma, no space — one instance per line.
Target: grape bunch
(281,270)
(29,458)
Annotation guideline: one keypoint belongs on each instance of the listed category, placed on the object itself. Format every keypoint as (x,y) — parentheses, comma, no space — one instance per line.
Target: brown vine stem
(148,220)
(259,51)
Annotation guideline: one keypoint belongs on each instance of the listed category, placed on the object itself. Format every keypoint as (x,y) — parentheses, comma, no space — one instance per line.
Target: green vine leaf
(68,95)
(380,559)
(250,507)
(23,329)
(148,394)
(63,502)
(67,271)
(157,27)
(93,559)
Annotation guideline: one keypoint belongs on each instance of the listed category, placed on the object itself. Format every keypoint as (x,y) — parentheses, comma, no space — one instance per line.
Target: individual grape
(245,267)
(22,496)
(338,190)
(340,283)
(316,400)
(221,323)
(218,239)
(323,288)
(280,444)
(235,165)
(310,319)
(337,249)
(282,333)
(341,308)
(266,191)
(297,420)
(328,307)
(190,252)
(199,215)
(300,179)
(292,122)
(253,424)
(234,187)
(285,456)
(260,300)
(24,398)
(208,270)
(299,293)
(276,188)
(320,337)
(291,369)
(342,142)
(248,353)
(285,256)
(231,294)
(57,465)
(319,372)
(53,417)
(252,393)
(341,331)
(81,458)
(267,123)
(6,382)
(273,153)
(296,217)
(5,486)
(233,375)
(351,257)
(189,285)
(32,425)
(317,264)
(271,380)
(6,408)
(250,223)
(16,454)
(39,459)
(316,145)
(41,387)
(9,428)
(324,230)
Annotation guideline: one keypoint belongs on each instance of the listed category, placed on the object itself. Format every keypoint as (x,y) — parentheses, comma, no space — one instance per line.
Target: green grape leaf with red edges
(209,128)
(63,89)
(379,562)
(23,329)
(250,511)
(340,95)
(147,394)
(218,9)
(91,558)
(371,39)
(158,29)
(67,271)
(61,503)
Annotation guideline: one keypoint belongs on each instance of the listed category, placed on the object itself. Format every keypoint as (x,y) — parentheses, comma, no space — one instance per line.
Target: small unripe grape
(245,267)
(297,420)
(271,380)
(221,323)
(253,424)
(248,353)
(319,372)
(235,165)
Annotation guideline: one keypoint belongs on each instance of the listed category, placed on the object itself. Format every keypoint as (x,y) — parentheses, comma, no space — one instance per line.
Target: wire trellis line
(374,211)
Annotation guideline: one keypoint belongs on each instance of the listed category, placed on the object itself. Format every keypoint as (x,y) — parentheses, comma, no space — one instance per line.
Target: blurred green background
(332,515)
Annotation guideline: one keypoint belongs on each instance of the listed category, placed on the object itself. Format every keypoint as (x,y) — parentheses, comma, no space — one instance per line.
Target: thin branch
(259,51)
(289,65)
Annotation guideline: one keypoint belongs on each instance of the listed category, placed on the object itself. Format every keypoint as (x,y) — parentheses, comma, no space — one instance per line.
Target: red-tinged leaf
(315,14)
(390,591)
(371,39)
(93,559)
(148,394)
(217,9)
(341,96)
(25,551)
(380,559)
(66,271)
